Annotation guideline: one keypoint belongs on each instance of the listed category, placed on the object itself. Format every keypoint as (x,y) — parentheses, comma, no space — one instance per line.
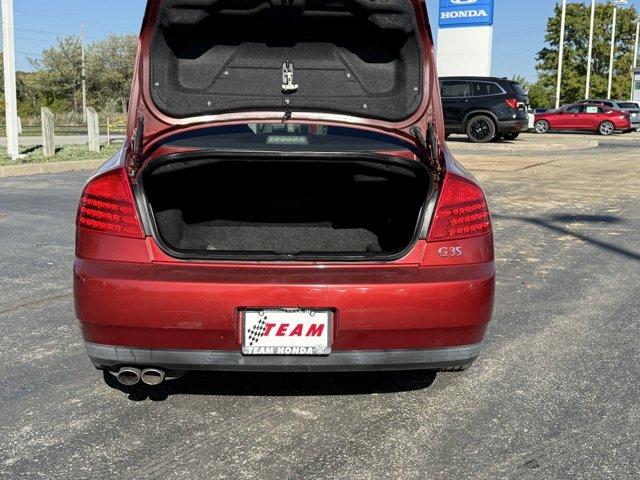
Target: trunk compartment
(301,206)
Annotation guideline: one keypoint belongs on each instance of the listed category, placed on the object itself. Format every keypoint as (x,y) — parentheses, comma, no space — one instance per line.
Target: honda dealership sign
(465,37)
(465,13)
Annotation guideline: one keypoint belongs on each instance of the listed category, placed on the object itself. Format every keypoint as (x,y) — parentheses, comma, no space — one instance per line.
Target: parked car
(583,116)
(531,114)
(626,106)
(484,108)
(276,208)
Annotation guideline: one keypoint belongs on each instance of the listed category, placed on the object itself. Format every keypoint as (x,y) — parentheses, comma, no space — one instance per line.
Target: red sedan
(584,116)
(285,201)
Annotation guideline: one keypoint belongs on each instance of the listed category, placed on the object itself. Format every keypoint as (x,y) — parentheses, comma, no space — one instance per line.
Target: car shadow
(557,223)
(279,384)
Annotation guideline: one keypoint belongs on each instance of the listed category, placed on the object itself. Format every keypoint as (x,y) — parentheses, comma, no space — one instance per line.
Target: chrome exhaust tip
(152,376)
(128,376)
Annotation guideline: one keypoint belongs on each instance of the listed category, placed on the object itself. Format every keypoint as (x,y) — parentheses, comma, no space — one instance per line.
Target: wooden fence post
(94,130)
(48,140)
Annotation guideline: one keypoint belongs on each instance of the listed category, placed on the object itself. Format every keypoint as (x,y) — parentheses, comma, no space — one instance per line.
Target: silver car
(626,106)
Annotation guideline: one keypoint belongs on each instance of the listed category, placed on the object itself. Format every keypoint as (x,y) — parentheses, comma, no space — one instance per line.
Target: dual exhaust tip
(131,376)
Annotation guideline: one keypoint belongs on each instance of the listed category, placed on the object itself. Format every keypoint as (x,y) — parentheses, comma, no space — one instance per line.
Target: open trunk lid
(355,57)
(205,63)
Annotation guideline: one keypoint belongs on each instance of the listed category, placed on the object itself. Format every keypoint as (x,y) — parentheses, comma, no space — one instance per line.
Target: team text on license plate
(286,332)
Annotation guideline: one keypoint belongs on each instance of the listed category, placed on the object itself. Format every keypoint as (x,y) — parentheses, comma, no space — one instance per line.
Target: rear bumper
(186,315)
(512,126)
(366,360)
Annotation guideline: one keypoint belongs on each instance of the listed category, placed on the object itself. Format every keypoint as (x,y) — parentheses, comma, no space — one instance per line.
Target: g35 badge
(450,251)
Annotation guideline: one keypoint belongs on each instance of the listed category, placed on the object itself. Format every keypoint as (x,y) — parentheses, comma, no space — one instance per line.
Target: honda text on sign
(462,13)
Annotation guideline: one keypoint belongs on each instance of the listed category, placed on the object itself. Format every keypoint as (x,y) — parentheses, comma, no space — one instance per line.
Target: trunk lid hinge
(135,148)
(430,149)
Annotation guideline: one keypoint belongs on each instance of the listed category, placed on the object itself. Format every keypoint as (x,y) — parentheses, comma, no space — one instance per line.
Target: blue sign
(465,13)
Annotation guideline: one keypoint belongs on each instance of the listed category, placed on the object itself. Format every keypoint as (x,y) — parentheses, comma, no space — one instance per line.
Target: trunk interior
(294,206)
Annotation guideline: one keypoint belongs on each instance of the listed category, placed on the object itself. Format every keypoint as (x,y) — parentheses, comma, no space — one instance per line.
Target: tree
(57,78)
(110,65)
(60,74)
(26,92)
(576,51)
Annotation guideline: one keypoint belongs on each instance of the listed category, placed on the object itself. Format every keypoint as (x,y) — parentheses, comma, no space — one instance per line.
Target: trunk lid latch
(288,88)
(287,78)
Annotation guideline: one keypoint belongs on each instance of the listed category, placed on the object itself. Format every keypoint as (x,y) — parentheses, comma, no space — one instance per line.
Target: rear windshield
(289,137)
(518,89)
(628,105)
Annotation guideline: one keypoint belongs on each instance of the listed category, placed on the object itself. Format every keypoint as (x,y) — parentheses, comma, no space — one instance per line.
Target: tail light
(461,212)
(513,103)
(107,206)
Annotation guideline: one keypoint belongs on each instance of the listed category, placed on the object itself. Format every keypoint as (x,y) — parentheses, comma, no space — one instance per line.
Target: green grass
(62,131)
(64,153)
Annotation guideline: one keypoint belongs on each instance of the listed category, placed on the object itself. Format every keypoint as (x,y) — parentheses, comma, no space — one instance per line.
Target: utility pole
(635,58)
(11,100)
(613,43)
(590,54)
(84,79)
(561,53)
(613,49)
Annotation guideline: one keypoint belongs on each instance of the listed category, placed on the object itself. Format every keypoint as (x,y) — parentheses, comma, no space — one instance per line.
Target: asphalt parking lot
(554,395)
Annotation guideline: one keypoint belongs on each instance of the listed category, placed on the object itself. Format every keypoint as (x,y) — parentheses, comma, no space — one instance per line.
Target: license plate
(286,332)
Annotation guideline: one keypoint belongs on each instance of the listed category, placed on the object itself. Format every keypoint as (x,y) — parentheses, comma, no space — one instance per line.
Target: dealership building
(465,37)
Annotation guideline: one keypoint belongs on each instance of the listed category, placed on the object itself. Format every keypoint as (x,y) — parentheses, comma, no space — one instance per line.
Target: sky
(518,31)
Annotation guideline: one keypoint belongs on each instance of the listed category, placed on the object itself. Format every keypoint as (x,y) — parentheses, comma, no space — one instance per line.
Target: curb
(51,167)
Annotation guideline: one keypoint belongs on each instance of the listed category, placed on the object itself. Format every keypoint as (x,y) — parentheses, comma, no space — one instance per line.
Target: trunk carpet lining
(280,238)
(216,56)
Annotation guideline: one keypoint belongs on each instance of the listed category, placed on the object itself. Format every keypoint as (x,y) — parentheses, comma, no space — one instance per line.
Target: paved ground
(554,396)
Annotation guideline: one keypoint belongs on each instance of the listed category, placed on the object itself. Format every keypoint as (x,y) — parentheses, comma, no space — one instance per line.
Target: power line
(36,31)
(512,54)
(61,17)
(520,32)
(31,39)
(29,53)
(55,34)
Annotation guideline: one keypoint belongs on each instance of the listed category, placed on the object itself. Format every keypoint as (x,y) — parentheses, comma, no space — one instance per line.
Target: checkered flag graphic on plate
(257,331)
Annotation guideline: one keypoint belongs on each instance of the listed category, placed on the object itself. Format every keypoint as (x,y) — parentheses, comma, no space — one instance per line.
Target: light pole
(613,43)
(635,59)
(84,77)
(10,78)
(590,54)
(561,52)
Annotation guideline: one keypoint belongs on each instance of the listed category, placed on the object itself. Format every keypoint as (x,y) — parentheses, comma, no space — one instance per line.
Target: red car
(285,200)
(583,116)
